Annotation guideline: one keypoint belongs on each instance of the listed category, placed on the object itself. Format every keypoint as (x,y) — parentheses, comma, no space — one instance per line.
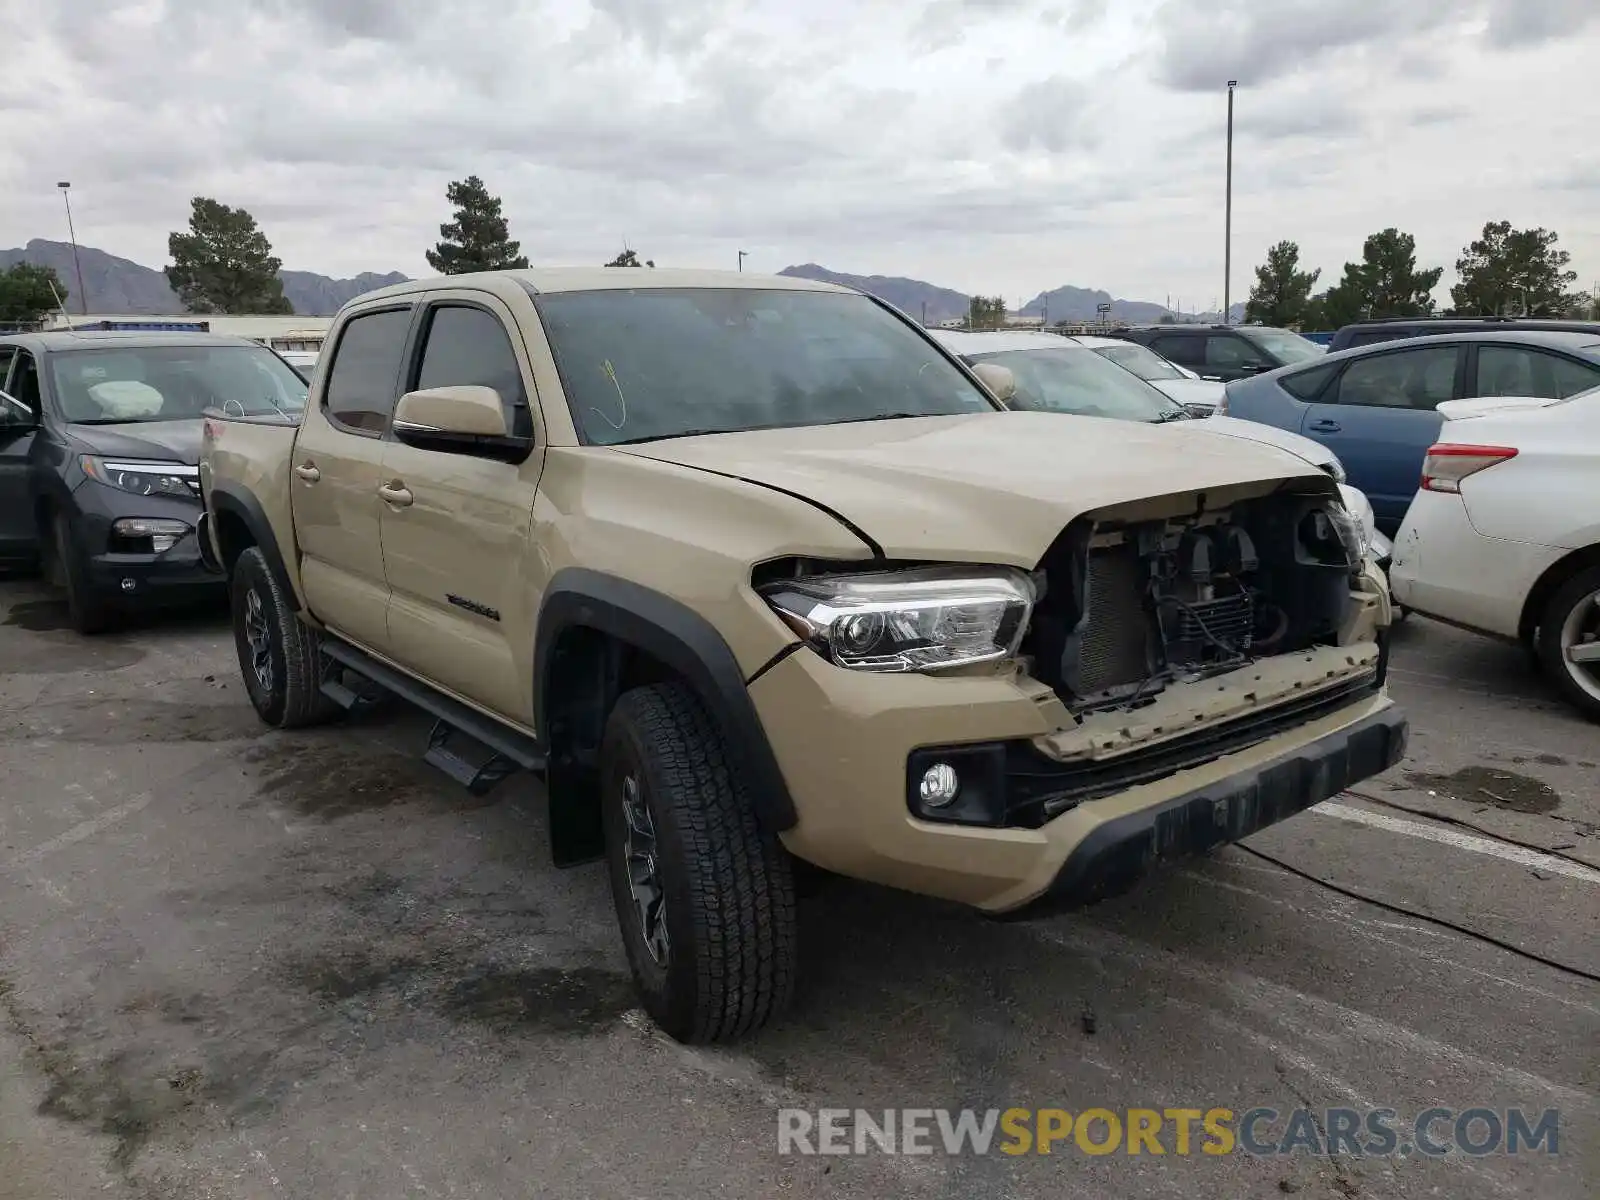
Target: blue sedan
(1375,406)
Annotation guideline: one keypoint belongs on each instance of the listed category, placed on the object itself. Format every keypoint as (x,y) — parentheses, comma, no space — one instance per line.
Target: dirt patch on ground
(330,780)
(1491,786)
(36,638)
(551,999)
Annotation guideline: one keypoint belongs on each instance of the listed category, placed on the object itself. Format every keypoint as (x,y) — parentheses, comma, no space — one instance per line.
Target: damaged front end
(1173,639)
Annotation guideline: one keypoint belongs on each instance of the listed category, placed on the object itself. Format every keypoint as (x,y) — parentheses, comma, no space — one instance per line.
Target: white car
(1199,396)
(1062,374)
(1504,534)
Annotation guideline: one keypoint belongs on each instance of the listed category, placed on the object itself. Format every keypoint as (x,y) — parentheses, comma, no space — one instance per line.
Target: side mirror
(462,419)
(1001,383)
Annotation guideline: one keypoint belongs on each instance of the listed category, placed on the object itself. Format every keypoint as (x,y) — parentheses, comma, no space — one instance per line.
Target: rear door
(18,535)
(1187,350)
(337,470)
(1229,357)
(1379,418)
(454,548)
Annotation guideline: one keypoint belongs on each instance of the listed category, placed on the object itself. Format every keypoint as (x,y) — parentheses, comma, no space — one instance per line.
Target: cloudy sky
(987,145)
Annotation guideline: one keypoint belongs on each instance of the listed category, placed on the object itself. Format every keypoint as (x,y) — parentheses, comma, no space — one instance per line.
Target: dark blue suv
(1375,406)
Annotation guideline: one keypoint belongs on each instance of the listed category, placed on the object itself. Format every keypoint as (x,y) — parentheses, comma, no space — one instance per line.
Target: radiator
(1114,650)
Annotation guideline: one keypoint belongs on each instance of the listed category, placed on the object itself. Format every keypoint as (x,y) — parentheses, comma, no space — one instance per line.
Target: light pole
(743,254)
(83,297)
(1227,232)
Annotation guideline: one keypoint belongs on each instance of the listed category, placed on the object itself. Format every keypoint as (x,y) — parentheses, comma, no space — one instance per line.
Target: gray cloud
(1519,23)
(987,144)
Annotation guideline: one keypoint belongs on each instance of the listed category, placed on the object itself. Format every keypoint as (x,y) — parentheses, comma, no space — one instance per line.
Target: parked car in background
(1504,533)
(1375,407)
(1064,375)
(1199,396)
(1368,333)
(1224,352)
(303,361)
(99,446)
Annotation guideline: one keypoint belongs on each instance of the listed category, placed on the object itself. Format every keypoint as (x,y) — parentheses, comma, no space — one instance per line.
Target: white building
(281,333)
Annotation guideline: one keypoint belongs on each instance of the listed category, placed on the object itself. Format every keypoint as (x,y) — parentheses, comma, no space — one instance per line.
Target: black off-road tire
(1569,595)
(729,885)
(89,611)
(290,697)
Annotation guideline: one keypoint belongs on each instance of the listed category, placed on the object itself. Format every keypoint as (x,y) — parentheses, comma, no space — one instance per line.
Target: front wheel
(279,656)
(88,610)
(1568,642)
(704,895)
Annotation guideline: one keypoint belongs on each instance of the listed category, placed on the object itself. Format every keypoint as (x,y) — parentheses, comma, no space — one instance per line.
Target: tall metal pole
(742,255)
(1227,234)
(83,296)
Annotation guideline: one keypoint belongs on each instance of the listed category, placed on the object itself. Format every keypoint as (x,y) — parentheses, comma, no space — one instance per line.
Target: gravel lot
(242,964)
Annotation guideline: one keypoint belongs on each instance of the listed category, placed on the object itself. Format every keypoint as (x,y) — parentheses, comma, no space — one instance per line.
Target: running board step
(474,750)
(469,762)
(353,700)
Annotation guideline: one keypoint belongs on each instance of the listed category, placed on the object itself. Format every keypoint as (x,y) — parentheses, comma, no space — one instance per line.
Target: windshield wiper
(681,433)
(894,416)
(1174,414)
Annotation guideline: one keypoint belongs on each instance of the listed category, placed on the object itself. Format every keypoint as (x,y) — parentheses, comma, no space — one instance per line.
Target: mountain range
(1066,303)
(120,285)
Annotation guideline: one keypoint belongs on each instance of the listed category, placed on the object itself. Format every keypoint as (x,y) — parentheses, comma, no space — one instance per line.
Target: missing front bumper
(1117,853)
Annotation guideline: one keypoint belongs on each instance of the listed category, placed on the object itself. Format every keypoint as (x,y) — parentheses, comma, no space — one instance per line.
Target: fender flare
(239,503)
(685,642)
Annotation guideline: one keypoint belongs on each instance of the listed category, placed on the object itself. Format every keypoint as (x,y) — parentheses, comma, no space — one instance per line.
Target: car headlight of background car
(923,619)
(141,477)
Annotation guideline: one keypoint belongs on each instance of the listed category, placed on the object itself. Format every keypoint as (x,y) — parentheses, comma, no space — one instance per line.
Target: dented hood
(986,487)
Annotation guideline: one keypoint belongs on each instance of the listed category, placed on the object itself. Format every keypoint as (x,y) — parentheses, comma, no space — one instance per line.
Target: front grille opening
(1132,607)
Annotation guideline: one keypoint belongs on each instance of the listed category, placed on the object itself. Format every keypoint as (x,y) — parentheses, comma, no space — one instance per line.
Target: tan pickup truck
(751,571)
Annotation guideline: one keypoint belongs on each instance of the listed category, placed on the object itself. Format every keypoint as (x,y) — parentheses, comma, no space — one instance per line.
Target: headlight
(142,478)
(1352,536)
(924,619)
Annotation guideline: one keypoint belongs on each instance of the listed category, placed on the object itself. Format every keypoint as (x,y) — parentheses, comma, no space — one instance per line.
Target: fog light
(940,786)
(162,534)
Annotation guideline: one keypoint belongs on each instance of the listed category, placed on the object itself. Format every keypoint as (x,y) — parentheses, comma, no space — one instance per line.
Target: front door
(1379,418)
(455,546)
(19,537)
(337,470)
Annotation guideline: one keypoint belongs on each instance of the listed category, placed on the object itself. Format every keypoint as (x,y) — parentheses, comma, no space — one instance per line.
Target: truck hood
(983,487)
(160,441)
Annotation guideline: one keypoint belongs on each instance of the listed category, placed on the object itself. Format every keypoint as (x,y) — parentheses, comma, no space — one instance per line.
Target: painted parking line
(1446,836)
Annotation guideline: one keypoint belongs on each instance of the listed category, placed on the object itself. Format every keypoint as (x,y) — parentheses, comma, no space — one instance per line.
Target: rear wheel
(704,895)
(278,654)
(89,611)
(1569,641)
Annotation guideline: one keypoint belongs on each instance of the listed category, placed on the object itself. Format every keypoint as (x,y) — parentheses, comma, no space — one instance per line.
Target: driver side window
(24,386)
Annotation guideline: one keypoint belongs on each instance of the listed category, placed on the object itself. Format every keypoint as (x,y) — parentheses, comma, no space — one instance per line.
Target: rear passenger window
(1188,351)
(364,378)
(1307,385)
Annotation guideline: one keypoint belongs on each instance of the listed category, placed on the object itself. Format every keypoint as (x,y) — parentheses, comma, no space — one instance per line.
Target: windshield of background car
(1141,360)
(1284,346)
(125,384)
(665,362)
(1079,382)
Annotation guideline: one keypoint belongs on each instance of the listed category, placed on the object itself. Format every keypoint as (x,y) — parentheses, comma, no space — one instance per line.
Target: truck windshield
(126,384)
(667,362)
(1285,346)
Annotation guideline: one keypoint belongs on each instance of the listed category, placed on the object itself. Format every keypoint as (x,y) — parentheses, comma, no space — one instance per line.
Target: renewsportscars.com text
(1262,1131)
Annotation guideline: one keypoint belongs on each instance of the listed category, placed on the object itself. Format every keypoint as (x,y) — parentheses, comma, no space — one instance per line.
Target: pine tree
(479,238)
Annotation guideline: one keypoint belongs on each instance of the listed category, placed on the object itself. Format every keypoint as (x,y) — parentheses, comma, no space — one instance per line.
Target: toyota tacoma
(753,572)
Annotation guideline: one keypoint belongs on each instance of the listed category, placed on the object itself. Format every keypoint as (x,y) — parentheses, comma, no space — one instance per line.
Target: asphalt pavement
(237,963)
